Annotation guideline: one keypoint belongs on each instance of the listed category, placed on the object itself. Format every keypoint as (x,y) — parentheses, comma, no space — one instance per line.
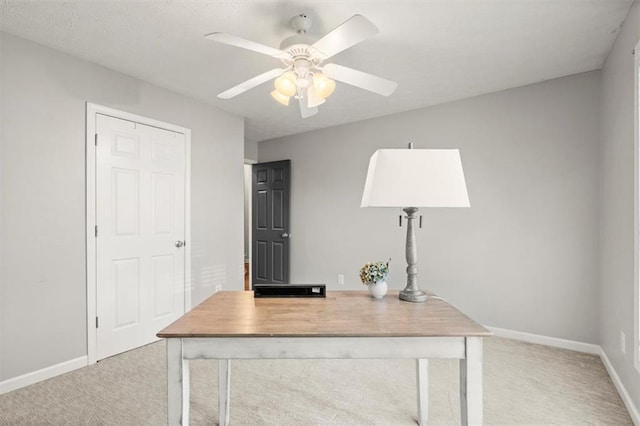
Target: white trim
(622,391)
(90,220)
(636,298)
(187,221)
(42,374)
(580,347)
(248,162)
(92,110)
(555,342)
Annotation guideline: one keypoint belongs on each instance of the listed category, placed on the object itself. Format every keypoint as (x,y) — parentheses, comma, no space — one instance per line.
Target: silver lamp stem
(412,293)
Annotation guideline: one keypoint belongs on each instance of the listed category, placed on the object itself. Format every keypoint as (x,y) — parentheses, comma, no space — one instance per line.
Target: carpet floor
(524,384)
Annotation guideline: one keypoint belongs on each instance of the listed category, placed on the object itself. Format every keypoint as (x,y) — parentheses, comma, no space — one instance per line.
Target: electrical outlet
(218,288)
(340,279)
(623,343)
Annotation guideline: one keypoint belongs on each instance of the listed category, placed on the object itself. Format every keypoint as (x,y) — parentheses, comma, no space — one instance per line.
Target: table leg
(422,378)
(177,384)
(471,382)
(224,387)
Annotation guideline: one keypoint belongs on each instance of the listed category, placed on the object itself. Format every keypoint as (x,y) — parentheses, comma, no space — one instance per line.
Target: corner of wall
(251,150)
(617,215)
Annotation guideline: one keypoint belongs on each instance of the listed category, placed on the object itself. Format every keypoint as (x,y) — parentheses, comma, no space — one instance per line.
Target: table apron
(322,347)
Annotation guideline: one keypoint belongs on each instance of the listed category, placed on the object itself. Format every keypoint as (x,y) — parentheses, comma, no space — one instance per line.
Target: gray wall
(617,199)
(43,287)
(251,150)
(523,257)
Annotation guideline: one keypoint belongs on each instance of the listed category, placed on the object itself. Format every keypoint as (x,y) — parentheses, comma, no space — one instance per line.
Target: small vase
(378,290)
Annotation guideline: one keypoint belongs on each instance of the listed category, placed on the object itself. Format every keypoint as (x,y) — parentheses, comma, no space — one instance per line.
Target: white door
(140,216)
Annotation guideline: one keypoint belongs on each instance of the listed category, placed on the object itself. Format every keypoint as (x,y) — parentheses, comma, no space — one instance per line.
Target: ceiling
(437,50)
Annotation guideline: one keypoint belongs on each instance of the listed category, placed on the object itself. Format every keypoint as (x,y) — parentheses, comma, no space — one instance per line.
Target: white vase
(378,290)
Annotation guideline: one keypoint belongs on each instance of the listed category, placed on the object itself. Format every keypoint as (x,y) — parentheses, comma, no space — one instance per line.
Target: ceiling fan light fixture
(313,100)
(302,83)
(304,74)
(323,85)
(283,99)
(286,84)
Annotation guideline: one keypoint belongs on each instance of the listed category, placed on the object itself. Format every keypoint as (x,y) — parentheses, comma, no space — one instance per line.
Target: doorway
(271,233)
(138,229)
(267,234)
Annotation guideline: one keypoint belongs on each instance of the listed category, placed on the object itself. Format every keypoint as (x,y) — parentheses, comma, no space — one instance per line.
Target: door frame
(636,273)
(249,162)
(90,217)
(287,220)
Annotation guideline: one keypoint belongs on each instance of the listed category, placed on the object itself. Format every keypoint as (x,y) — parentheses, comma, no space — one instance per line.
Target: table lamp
(412,178)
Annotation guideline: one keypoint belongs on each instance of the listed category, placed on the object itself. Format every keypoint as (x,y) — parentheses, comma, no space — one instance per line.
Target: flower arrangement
(374,272)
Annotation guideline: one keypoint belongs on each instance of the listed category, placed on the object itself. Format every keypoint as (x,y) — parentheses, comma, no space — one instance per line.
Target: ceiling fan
(305,76)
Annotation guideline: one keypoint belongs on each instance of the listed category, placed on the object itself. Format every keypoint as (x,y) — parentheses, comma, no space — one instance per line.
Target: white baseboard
(579,347)
(626,398)
(555,342)
(43,374)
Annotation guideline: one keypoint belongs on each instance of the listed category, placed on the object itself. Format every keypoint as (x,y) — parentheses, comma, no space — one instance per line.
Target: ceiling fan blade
(349,33)
(360,79)
(245,44)
(251,83)
(305,110)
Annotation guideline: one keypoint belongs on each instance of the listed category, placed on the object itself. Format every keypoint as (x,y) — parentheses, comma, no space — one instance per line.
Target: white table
(345,325)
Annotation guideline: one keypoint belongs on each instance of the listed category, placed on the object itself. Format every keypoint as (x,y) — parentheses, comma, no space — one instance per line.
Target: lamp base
(411,295)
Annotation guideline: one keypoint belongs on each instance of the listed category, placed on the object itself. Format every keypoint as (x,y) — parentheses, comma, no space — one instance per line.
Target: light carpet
(524,384)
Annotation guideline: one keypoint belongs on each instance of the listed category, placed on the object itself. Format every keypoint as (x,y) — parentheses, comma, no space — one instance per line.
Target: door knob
(180,243)
(285,235)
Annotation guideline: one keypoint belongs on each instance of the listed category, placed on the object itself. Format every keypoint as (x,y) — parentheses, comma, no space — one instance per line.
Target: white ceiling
(437,50)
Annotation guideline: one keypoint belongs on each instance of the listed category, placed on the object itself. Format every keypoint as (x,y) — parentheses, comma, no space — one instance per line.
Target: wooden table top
(340,314)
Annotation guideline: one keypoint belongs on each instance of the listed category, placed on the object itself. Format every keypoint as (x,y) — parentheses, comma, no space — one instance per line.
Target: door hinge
(96,140)
(96,230)
(96,322)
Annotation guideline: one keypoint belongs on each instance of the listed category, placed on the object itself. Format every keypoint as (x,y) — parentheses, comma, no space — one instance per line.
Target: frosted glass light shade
(415,178)
(286,84)
(284,100)
(323,85)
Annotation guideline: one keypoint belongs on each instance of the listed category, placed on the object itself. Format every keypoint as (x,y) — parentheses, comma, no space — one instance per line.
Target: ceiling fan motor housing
(300,43)
(296,40)
(303,61)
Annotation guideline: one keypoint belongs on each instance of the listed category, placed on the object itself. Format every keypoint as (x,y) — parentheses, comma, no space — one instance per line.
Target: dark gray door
(270,212)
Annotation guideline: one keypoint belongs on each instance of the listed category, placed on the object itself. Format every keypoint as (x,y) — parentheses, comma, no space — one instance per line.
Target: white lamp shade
(415,178)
